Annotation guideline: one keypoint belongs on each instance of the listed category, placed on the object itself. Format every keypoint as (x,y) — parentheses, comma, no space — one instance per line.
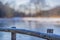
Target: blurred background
(35,15)
(29,8)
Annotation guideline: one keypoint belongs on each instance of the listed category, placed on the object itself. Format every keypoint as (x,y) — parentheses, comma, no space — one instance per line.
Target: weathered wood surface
(32,33)
(13,34)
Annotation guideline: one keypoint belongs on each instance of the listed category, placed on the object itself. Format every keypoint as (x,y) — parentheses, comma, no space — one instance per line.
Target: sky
(48,3)
(53,3)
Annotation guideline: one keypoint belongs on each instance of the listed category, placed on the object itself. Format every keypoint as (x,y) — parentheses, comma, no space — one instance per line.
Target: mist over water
(20,24)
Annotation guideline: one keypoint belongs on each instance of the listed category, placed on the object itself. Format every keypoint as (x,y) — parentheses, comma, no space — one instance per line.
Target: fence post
(13,34)
(49,31)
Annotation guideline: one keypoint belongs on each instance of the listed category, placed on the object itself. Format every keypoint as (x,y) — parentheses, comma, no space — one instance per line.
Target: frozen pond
(28,25)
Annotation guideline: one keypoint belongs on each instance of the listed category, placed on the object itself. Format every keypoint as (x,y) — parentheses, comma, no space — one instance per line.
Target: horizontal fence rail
(31,33)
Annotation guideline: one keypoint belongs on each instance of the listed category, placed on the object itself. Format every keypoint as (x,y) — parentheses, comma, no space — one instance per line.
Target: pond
(28,25)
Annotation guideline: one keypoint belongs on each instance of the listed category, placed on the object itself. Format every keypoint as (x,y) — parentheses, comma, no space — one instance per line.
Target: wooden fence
(13,30)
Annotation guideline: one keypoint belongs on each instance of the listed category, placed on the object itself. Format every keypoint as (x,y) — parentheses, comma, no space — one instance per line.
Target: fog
(45,4)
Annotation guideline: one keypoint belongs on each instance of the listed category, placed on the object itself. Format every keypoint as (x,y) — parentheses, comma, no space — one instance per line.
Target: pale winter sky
(49,3)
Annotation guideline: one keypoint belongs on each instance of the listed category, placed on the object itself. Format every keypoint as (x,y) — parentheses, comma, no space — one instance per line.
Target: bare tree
(8,10)
(39,4)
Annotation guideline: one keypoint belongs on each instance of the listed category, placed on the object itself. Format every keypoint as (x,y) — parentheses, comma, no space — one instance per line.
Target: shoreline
(41,20)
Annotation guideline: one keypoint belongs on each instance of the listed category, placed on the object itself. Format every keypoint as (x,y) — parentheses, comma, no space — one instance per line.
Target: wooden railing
(13,31)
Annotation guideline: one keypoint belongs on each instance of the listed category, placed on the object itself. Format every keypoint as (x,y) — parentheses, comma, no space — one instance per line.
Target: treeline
(54,12)
(6,11)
